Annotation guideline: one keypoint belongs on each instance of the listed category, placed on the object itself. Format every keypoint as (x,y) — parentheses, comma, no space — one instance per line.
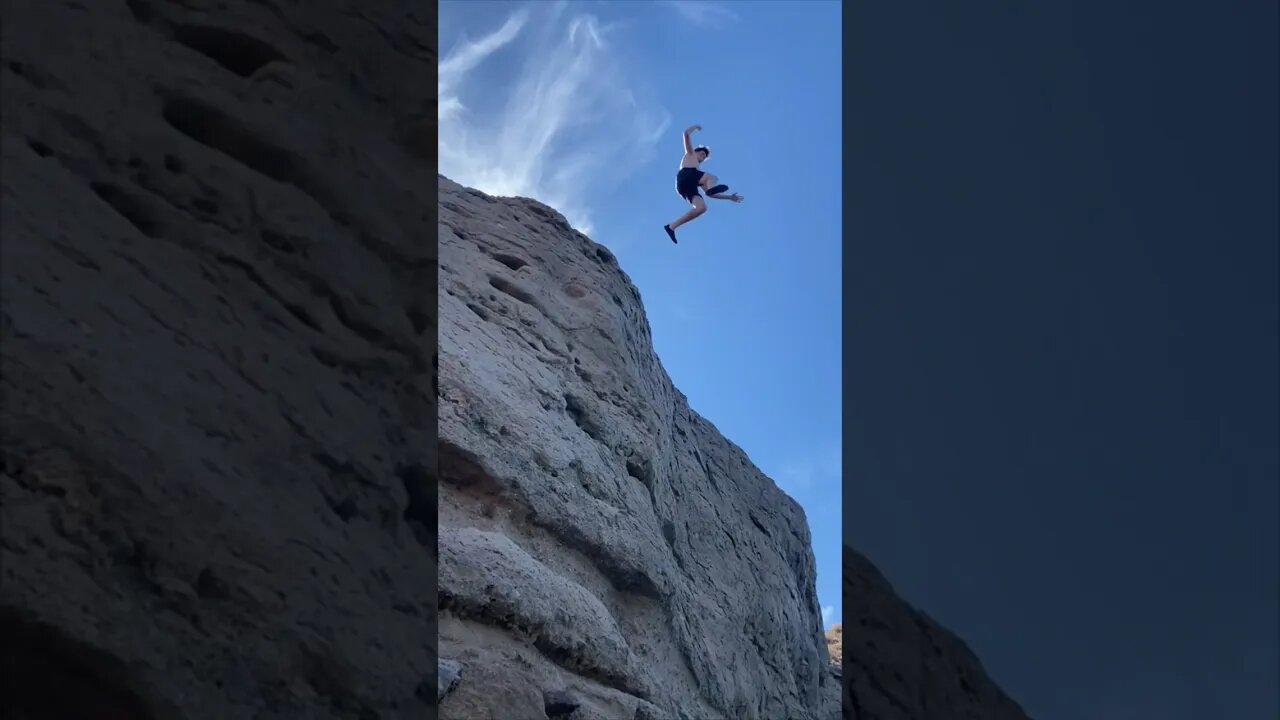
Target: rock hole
(419,319)
(347,510)
(211,587)
(420,511)
(559,703)
(235,51)
(604,255)
(669,532)
(129,207)
(511,289)
(52,676)
(141,10)
(642,470)
(574,290)
(511,261)
(206,205)
(212,128)
(581,417)
(173,164)
(321,41)
(479,311)
(40,148)
(359,327)
(279,241)
(463,469)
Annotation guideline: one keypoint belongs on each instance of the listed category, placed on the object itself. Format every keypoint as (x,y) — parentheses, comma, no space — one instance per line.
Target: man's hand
(735,197)
(693,128)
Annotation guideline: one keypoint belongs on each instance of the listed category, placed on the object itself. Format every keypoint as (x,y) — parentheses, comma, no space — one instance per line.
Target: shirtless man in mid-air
(690,178)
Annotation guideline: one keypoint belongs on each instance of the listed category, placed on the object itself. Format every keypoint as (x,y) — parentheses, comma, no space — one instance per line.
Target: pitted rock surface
(216,359)
(596,534)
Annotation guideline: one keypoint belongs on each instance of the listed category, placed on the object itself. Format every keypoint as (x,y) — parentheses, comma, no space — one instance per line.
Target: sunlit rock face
(604,551)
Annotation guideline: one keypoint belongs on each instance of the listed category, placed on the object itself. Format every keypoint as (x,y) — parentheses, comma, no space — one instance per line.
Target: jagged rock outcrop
(835,643)
(598,538)
(835,671)
(901,665)
(216,360)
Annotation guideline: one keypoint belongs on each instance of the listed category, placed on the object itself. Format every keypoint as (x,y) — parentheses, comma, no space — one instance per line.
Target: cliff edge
(901,665)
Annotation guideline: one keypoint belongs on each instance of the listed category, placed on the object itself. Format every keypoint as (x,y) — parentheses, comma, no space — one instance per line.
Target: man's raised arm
(688,143)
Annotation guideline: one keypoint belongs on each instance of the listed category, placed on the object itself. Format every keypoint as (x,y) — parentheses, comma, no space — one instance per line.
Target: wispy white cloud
(702,12)
(827,612)
(565,124)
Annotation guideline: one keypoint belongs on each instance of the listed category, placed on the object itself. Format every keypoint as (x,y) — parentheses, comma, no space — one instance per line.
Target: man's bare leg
(699,207)
(710,184)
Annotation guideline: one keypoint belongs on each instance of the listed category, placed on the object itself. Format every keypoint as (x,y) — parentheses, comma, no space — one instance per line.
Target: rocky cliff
(217,488)
(604,551)
(901,665)
(216,360)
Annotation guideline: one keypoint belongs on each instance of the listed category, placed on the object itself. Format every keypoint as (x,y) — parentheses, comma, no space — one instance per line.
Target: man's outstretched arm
(688,142)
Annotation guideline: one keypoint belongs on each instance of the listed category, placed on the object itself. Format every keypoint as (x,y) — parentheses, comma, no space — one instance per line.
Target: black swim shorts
(687,183)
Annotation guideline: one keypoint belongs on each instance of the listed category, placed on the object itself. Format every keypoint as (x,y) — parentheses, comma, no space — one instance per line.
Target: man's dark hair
(704,149)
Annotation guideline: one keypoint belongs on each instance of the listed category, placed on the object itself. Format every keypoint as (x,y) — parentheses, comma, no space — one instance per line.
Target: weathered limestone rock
(596,535)
(835,670)
(835,644)
(216,359)
(901,665)
(448,673)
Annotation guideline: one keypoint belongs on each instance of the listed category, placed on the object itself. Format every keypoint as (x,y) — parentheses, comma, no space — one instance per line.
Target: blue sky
(581,105)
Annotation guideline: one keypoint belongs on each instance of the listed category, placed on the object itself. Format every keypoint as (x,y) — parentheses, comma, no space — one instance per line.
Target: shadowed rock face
(216,359)
(597,537)
(901,665)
